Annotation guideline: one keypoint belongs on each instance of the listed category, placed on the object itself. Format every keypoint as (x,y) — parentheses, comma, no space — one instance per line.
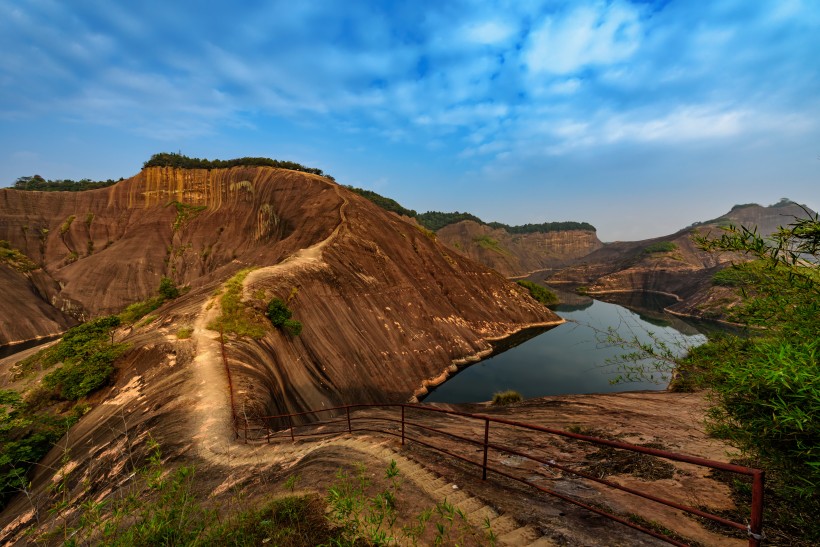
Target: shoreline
(463,362)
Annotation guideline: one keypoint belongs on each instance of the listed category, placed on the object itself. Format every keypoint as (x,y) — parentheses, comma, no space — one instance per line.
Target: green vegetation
(64,227)
(15,258)
(765,388)
(503,398)
(280,316)
(236,317)
(185,213)
(544,227)
(660,247)
(362,518)
(168,290)
(27,433)
(486,242)
(165,159)
(542,294)
(383,202)
(436,220)
(136,311)
(39,184)
(740,206)
(160,506)
(184,333)
(31,424)
(87,356)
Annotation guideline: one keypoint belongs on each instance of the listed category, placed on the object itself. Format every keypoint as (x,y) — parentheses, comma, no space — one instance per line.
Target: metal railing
(366,418)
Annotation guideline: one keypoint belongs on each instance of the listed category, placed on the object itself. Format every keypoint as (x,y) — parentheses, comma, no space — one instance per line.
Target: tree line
(39,184)
(169,159)
(436,220)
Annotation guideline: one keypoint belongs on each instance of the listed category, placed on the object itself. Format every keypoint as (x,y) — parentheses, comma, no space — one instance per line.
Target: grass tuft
(507,397)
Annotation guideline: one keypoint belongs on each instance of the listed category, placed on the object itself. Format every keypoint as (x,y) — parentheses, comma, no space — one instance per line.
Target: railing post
(267,430)
(756,526)
(486,442)
(290,425)
(349,429)
(402,425)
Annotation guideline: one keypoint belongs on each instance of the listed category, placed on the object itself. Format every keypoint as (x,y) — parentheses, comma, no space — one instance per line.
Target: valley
(186,263)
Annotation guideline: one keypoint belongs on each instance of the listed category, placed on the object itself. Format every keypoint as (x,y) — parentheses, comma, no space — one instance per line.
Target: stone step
(503,525)
(520,536)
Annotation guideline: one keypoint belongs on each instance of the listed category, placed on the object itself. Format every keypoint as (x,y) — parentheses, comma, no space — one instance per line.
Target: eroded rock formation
(385,307)
(518,254)
(673,264)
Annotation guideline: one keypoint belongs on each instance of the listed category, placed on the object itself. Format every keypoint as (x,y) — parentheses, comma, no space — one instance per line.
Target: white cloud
(589,35)
(489,32)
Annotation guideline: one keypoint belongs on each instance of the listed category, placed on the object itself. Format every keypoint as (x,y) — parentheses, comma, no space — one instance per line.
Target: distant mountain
(514,251)
(673,264)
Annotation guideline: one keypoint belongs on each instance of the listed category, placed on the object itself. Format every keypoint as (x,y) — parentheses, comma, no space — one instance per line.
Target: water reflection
(568,359)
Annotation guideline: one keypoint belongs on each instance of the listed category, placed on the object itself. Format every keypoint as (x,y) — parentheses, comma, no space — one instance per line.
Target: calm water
(571,358)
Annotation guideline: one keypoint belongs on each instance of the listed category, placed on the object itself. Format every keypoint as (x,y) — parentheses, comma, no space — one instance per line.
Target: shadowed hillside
(674,264)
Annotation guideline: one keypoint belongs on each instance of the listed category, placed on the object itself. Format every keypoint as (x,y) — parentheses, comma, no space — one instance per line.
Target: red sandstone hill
(384,306)
(518,254)
(673,264)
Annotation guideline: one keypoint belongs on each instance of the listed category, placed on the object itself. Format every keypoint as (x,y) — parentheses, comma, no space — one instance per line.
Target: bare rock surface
(684,272)
(516,255)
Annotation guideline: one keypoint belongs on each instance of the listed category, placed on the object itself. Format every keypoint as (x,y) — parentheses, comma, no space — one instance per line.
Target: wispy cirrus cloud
(491,84)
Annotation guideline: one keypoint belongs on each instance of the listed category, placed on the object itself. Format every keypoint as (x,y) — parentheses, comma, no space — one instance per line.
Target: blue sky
(640,117)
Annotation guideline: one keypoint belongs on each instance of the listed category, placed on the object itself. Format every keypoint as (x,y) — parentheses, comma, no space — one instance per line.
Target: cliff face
(384,307)
(683,271)
(518,254)
(103,249)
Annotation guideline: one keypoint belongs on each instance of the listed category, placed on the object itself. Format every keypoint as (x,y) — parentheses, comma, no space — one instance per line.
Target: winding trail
(309,257)
(211,414)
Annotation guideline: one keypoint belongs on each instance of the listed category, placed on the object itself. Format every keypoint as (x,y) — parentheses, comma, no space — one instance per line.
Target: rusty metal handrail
(346,418)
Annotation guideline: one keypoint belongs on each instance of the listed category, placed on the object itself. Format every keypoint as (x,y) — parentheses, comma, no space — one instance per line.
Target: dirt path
(211,416)
(517,517)
(304,258)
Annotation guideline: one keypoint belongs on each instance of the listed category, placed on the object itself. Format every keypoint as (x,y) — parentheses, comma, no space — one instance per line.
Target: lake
(572,358)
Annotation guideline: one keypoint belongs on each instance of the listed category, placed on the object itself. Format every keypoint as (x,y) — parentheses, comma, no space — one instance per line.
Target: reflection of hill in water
(650,308)
(572,307)
(500,346)
(570,300)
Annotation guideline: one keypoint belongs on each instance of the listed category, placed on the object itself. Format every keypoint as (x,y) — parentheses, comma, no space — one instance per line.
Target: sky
(639,117)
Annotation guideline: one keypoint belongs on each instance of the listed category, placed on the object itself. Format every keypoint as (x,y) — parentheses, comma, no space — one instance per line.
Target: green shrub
(185,333)
(278,312)
(26,435)
(64,227)
(542,294)
(507,397)
(768,398)
(236,317)
(15,258)
(75,380)
(88,358)
(293,327)
(168,290)
(660,247)
(766,389)
(136,311)
(280,316)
